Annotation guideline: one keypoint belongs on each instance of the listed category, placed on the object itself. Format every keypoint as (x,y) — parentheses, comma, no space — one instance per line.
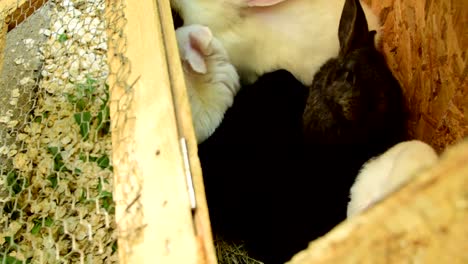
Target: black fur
(251,162)
(279,168)
(176,19)
(355,111)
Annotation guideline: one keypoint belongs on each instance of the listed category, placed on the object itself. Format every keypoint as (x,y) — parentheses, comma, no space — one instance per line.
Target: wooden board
(12,13)
(18,10)
(3,34)
(150,114)
(424,222)
(184,116)
(426,44)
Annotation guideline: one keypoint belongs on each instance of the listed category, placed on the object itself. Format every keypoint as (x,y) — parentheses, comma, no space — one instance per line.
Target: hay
(232,253)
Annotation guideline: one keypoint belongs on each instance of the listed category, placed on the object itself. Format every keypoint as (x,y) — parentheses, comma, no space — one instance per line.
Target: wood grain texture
(206,253)
(3,34)
(149,114)
(423,222)
(7,7)
(426,44)
(18,10)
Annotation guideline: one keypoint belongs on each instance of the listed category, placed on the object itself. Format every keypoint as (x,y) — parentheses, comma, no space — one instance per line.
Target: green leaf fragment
(11,260)
(106,194)
(83,195)
(38,119)
(59,165)
(82,157)
(38,224)
(53,180)
(8,239)
(70,97)
(99,186)
(49,221)
(37,227)
(83,119)
(11,178)
(15,183)
(107,202)
(103,161)
(81,104)
(90,81)
(62,38)
(114,247)
(53,150)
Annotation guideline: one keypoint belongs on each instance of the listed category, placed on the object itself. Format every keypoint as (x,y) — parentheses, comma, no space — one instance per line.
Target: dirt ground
(20,73)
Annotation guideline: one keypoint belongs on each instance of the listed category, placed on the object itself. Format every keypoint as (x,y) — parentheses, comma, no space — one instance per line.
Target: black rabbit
(355,110)
(354,98)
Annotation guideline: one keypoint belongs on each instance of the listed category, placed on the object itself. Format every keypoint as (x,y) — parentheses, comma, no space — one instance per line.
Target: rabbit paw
(211,79)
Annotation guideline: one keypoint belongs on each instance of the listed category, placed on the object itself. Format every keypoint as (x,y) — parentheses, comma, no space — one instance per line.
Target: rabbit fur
(211,80)
(382,175)
(295,35)
(279,168)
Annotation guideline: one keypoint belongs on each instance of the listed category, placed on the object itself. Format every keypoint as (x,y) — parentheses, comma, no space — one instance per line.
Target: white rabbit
(261,36)
(382,175)
(212,81)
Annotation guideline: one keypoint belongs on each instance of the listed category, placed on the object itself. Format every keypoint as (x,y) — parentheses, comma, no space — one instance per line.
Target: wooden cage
(425,43)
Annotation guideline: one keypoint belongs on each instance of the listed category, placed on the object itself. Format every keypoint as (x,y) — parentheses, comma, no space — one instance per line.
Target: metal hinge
(188,174)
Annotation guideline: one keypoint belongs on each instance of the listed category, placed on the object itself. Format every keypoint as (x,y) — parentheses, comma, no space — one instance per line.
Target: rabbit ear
(253,3)
(197,48)
(353,31)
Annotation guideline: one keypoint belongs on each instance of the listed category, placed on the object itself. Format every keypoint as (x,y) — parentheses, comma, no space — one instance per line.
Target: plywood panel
(426,44)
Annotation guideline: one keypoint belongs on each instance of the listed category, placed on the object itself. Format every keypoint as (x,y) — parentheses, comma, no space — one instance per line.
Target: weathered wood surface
(3,32)
(149,115)
(206,254)
(423,222)
(16,11)
(426,45)
(13,12)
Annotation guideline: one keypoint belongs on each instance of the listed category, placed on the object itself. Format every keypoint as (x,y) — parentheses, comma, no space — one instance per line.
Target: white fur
(296,35)
(382,175)
(212,93)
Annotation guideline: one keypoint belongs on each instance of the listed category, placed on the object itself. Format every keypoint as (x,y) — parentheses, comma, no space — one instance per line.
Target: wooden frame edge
(147,141)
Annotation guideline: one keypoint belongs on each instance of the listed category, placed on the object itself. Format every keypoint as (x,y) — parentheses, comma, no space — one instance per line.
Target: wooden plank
(424,222)
(7,7)
(3,34)
(153,211)
(183,112)
(12,13)
(16,11)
